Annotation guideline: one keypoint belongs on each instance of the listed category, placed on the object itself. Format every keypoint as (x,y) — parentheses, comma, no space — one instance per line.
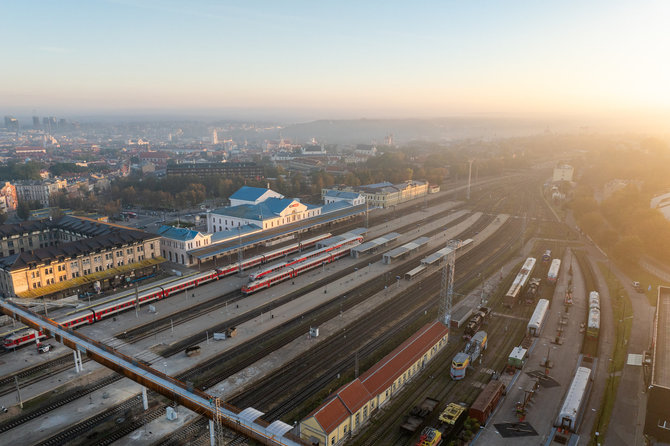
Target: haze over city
(309,223)
(313,60)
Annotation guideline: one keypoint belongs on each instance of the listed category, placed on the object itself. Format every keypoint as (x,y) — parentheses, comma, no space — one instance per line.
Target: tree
(23,210)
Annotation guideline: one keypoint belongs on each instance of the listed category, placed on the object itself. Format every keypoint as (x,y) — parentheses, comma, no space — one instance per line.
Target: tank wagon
(570,413)
(519,283)
(537,319)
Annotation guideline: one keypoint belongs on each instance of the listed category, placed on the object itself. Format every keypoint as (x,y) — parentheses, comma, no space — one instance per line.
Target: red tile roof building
(345,411)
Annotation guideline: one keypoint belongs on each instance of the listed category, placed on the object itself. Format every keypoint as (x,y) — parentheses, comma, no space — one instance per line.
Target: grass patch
(622,313)
(637,273)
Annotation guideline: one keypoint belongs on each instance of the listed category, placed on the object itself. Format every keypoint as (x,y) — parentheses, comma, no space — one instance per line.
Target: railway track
(67,361)
(64,362)
(210,372)
(265,392)
(240,357)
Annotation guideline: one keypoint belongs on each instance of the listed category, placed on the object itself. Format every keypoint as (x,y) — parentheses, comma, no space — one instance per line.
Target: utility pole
(240,256)
(366,214)
(16,381)
(469,177)
(356,365)
(137,301)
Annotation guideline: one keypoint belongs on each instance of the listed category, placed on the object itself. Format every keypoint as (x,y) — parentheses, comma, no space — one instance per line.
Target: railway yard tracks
(290,330)
(269,394)
(216,369)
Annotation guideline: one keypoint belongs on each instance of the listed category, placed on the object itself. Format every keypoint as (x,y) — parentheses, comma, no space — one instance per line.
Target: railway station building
(262,208)
(349,408)
(56,258)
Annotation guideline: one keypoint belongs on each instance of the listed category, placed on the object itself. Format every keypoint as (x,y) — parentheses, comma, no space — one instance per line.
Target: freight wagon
(487,401)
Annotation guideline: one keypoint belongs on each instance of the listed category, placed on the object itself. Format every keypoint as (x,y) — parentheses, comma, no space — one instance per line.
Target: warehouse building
(348,409)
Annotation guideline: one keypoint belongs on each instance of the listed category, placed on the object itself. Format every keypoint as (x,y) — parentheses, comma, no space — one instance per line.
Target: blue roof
(182,234)
(342,194)
(334,206)
(234,233)
(269,208)
(248,193)
(377,185)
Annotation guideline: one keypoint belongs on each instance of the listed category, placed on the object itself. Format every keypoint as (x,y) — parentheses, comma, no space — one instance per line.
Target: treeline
(393,166)
(622,222)
(30,170)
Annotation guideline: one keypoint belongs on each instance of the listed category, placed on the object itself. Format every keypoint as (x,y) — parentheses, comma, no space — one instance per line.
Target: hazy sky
(336,58)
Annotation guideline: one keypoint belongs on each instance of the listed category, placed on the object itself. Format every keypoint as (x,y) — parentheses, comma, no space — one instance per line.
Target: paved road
(627,421)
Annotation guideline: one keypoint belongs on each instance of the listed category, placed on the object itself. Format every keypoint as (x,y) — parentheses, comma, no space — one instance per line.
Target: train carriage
(298,268)
(520,281)
(409,275)
(594,300)
(571,411)
(593,326)
(536,321)
(554,269)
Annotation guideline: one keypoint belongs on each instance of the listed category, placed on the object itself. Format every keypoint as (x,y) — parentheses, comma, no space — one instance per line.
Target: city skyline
(349,60)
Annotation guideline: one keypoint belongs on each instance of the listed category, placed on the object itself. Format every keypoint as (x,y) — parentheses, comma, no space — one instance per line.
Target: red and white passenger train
(298,268)
(101,311)
(352,241)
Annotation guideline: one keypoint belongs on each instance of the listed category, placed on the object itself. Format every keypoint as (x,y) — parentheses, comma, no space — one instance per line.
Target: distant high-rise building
(62,122)
(215,137)
(36,122)
(11,123)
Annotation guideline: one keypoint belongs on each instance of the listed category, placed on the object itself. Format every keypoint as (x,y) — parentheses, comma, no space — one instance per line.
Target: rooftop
(181,234)
(660,372)
(342,194)
(101,236)
(386,371)
(270,208)
(248,193)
